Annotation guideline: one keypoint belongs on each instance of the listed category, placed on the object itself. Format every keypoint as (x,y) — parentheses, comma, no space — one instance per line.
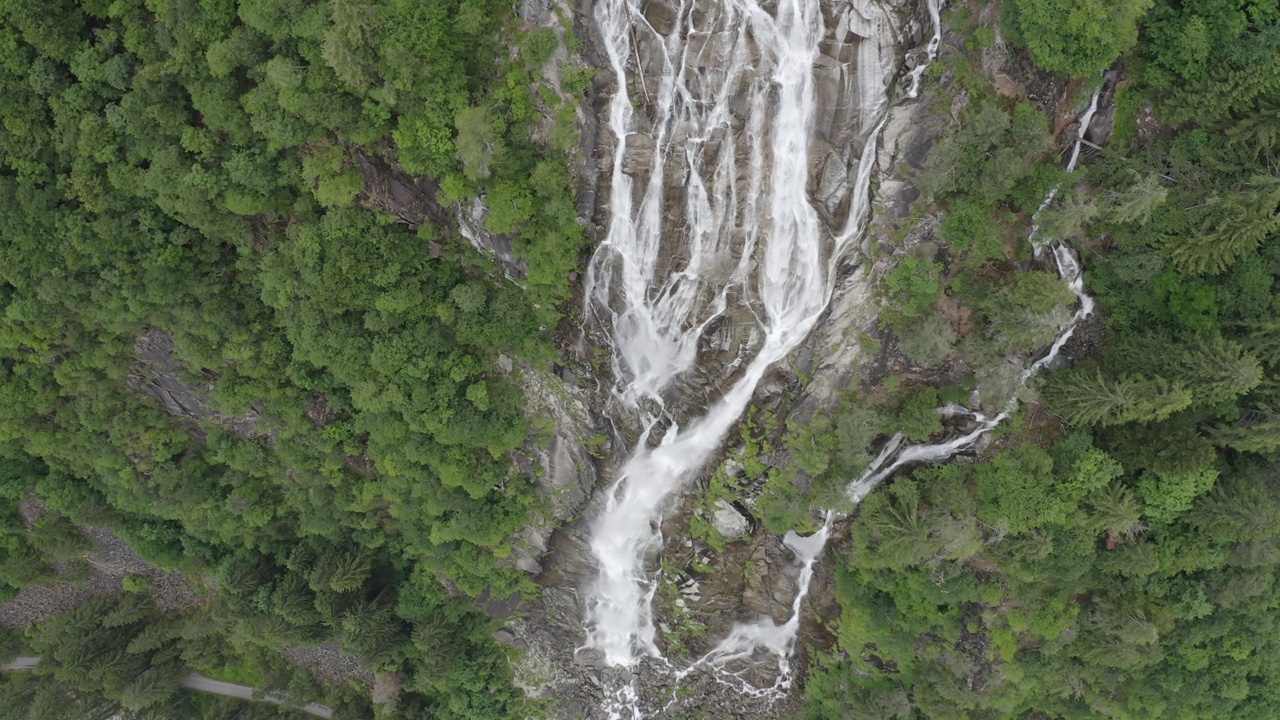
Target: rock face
(499,248)
(395,192)
(638,156)
(728,521)
(562,466)
(160,375)
(703,589)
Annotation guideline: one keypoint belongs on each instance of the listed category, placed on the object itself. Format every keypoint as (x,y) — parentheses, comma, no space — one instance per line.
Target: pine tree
(294,601)
(130,608)
(1256,431)
(349,569)
(59,538)
(152,687)
(1234,227)
(55,700)
(373,631)
(1085,397)
(243,573)
(1262,337)
(1215,369)
(904,536)
(1237,508)
(1069,216)
(153,636)
(1116,512)
(1259,131)
(1137,201)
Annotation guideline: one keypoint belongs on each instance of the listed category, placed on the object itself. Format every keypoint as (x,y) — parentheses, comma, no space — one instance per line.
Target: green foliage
(929,341)
(58,537)
(1134,578)
(1026,313)
(969,228)
(917,414)
(479,142)
(1085,397)
(1166,496)
(912,285)
(985,160)
(1214,59)
(203,191)
(1136,202)
(1232,228)
(136,583)
(1078,38)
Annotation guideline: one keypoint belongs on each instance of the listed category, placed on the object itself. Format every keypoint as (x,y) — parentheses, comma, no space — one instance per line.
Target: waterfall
(712,224)
(729,112)
(745,638)
(931,50)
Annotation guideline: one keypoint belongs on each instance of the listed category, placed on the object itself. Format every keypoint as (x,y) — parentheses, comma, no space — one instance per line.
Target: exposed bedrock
(855,68)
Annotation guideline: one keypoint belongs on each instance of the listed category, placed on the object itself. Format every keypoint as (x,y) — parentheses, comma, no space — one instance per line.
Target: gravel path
(200,683)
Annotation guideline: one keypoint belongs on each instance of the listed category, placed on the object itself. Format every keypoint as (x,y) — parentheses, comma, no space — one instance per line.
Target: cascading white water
(931,50)
(749,231)
(1070,269)
(745,638)
(729,103)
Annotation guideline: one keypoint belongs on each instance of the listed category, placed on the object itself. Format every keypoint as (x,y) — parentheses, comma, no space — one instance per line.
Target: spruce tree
(152,687)
(1116,512)
(1232,228)
(349,569)
(1258,431)
(1085,397)
(1137,201)
(1215,369)
(1262,337)
(294,601)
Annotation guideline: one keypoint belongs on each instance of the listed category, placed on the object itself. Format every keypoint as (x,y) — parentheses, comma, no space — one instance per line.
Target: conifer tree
(1137,201)
(1237,508)
(1257,431)
(152,687)
(1215,369)
(349,569)
(58,537)
(1116,512)
(294,601)
(1262,337)
(903,534)
(1233,228)
(1085,397)
(373,631)
(129,608)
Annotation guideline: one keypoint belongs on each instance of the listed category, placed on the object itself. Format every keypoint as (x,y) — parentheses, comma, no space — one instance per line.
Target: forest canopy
(196,192)
(1113,554)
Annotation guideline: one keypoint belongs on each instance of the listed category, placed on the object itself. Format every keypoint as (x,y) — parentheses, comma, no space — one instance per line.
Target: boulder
(728,521)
